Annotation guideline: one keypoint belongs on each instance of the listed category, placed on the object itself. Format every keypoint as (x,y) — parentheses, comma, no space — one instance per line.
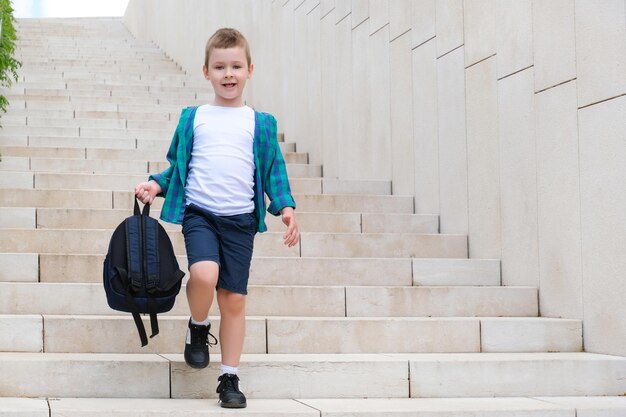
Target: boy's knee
(206,272)
(231,301)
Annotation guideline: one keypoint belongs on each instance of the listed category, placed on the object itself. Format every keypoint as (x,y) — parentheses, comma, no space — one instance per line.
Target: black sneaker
(230,396)
(197,345)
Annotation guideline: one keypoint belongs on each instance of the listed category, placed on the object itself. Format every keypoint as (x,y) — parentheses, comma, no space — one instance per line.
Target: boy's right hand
(146,192)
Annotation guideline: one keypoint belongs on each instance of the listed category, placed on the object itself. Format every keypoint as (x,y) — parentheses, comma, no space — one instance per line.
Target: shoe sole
(197,366)
(226,405)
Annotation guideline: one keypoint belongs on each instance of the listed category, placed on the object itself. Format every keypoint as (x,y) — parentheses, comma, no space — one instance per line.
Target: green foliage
(8,64)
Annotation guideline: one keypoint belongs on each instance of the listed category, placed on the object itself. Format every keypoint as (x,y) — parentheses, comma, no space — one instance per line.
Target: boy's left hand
(292,235)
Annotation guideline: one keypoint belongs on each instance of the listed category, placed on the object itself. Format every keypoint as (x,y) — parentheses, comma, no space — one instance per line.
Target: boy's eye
(218,67)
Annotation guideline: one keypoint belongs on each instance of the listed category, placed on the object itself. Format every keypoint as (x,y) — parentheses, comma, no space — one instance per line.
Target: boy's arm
(163,178)
(277,182)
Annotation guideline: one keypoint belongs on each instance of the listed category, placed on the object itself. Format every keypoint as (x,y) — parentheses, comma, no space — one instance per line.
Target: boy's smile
(228,72)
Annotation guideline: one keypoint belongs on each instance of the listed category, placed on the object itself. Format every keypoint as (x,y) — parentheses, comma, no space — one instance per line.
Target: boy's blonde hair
(226,38)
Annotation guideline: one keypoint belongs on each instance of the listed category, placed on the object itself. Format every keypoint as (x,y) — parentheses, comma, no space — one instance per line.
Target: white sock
(225,369)
(200,323)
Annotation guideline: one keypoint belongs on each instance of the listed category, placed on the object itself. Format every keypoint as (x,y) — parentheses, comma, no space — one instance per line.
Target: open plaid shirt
(270,176)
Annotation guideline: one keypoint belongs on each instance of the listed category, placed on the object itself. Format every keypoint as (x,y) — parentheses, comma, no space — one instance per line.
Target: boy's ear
(205,71)
(250,69)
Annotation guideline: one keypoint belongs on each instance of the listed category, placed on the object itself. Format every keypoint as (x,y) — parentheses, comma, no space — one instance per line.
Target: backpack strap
(123,276)
(133,251)
(151,252)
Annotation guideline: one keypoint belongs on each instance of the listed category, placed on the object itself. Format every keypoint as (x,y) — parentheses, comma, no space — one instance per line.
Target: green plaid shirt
(270,176)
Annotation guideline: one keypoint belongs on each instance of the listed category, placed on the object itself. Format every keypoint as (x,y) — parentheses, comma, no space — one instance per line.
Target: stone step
(385,407)
(270,270)
(117,334)
(264,270)
(385,245)
(314,202)
(115,182)
(63,198)
(300,301)
(336,186)
(110,154)
(16,267)
(317,375)
(338,222)
(125,407)
(109,219)
(98,166)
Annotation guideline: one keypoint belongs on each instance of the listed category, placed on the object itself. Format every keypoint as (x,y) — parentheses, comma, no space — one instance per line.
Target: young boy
(223,158)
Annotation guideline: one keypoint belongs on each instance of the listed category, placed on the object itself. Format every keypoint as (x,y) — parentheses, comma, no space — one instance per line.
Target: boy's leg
(203,277)
(232,325)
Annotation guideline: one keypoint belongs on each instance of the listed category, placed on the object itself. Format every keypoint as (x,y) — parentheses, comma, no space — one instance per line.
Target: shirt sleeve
(277,182)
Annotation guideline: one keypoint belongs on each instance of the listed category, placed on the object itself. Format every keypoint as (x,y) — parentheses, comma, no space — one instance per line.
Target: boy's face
(228,72)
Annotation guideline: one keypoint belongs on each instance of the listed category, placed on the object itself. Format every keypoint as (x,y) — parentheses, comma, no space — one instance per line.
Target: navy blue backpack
(141,274)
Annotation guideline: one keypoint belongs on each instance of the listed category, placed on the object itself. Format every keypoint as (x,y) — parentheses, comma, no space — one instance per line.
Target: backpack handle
(137,211)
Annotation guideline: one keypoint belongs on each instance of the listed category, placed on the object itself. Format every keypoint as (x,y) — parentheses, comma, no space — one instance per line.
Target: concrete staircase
(374,314)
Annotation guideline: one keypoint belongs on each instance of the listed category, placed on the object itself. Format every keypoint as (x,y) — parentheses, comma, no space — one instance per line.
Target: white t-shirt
(221,169)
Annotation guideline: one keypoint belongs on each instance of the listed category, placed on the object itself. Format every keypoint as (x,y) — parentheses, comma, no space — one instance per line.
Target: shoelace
(201,336)
(229,380)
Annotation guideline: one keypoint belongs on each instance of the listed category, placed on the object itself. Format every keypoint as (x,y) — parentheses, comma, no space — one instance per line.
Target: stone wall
(505,117)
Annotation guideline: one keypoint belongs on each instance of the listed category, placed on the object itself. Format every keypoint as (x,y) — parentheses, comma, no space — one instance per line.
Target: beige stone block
(309,376)
(600,50)
(530,335)
(21,333)
(399,223)
(402,152)
(516,374)
(378,15)
(137,407)
(460,272)
(591,406)
(383,245)
(319,222)
(34,152)
(369,187)
(518,180)
(376,162)
(423,20)
(55,198)
(479,18)
(17,218)
(400,14)
(14,140)
(331,55)
(24,407)
(554,42)
(330,271)
(103,123)
(441,301)
(425,127)
(81,181)
(19,267)
(93,166)
(483,160)
(60,142)
(111,334)
(54,298)
(603,201)
(354,203)
(360,12)
(14,163)
(70,268)
(514,40)
(16,179)
(354,335)
(439,407)
(558,201)
(452,143)
(449,25)
(84,375)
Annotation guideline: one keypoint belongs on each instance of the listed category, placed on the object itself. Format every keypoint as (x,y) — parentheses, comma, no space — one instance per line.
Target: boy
(223,158)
